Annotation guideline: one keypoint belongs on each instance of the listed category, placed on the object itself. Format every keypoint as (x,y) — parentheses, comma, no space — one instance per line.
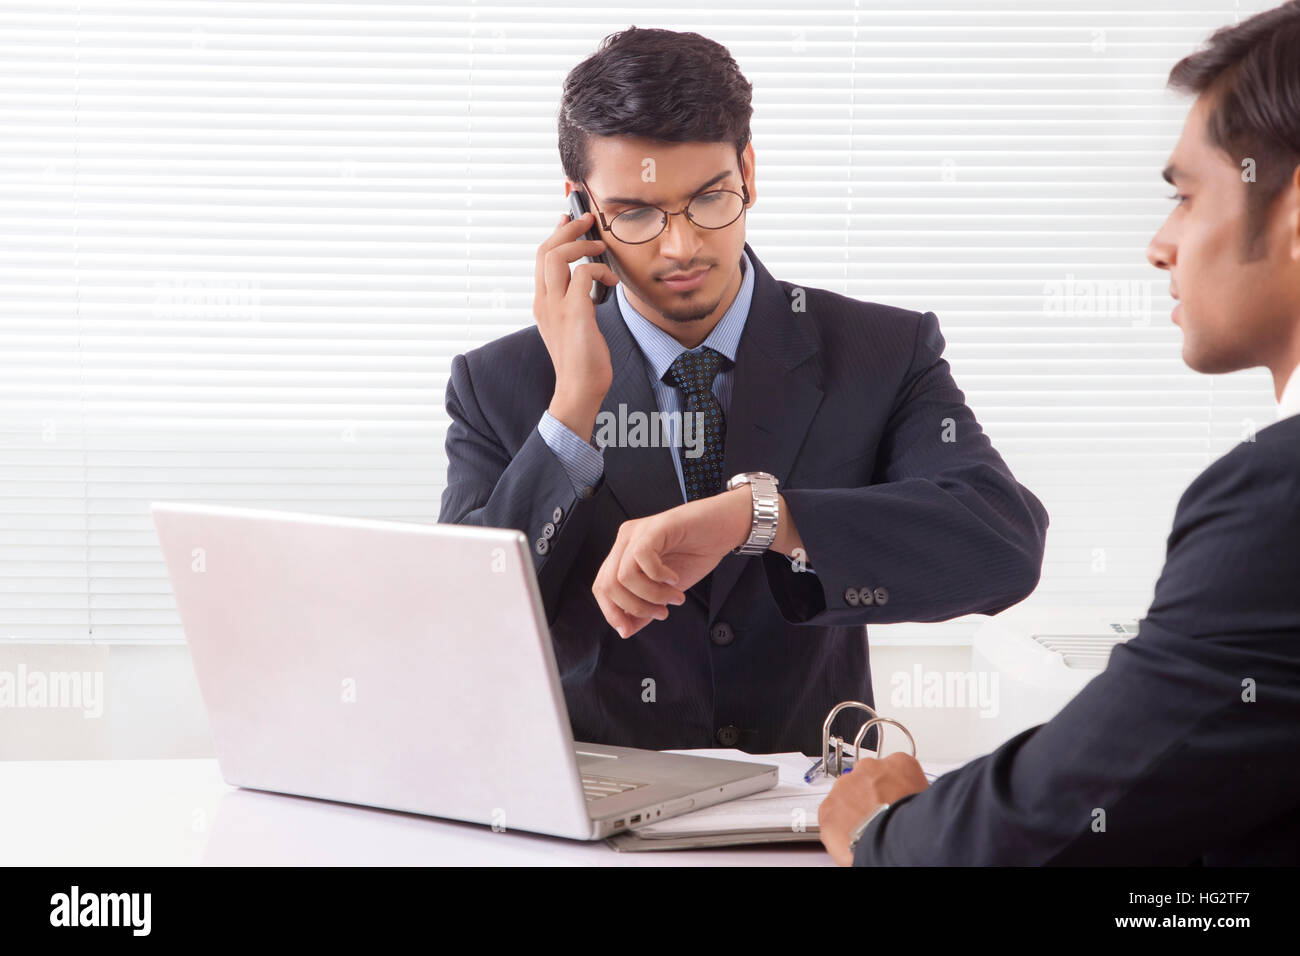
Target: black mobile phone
(578,207)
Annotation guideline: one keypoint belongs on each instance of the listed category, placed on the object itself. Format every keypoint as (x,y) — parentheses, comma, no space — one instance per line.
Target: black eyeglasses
(716,209)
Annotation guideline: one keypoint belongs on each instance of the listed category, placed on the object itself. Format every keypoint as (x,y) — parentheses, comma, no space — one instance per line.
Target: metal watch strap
(861,828)
(767,506)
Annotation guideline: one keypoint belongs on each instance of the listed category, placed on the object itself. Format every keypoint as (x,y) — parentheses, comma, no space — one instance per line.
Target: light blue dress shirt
(582,460)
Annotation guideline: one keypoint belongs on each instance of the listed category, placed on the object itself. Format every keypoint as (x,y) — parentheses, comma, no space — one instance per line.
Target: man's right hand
(566,318)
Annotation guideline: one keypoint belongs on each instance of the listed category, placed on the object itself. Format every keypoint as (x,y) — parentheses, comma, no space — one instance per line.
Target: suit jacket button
(728,736)
(881,595)
(587,491)
(557,514)
(548,531)
(722,634)
(851,596)
(541,545)
(865,597)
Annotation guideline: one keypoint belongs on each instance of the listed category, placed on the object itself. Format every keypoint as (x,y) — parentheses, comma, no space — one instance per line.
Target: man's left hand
(655,559)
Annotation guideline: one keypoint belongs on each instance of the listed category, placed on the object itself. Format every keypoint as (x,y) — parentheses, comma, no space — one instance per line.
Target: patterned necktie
(693,374)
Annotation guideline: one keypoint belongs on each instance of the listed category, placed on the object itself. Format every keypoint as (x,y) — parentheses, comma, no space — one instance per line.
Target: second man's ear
(1293,212)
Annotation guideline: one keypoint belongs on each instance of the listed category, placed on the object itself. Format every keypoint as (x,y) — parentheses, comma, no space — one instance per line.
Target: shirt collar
(1289,403)
(661,349)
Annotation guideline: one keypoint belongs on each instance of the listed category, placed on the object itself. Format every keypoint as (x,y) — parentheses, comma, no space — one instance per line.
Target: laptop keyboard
(597,787)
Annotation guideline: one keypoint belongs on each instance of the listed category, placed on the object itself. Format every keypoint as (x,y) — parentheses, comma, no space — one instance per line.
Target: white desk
(180,812)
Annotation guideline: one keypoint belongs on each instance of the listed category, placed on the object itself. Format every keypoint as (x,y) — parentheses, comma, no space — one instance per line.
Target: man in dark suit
(1184,749)
(872,495)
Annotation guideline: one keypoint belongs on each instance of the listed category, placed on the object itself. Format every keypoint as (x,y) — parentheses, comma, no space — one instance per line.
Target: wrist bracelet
(861,828)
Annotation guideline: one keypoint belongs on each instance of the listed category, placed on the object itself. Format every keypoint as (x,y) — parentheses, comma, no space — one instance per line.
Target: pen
(818,769)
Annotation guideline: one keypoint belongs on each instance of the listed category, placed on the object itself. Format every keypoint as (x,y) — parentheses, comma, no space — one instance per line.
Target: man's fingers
(648,559)
(643,573)
(833,825)
(587,273)
(908,769)
(633,605)
(563,246)
(555,268)
(567,231)
(859,781)
(621,608)
(900,760)
(618,619)
(629,597)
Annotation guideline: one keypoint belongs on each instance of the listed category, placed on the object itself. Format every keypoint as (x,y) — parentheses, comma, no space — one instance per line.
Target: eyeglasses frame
(666,214)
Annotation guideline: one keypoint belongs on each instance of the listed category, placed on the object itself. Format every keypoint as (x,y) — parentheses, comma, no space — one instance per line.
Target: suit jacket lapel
(643,479)
(775,394)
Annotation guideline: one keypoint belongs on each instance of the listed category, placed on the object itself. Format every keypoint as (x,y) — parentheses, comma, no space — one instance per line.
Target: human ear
(747,173)
(1290,200)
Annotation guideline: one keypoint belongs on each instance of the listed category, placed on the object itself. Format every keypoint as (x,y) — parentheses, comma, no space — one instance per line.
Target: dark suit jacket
(1162,741)
(905,509)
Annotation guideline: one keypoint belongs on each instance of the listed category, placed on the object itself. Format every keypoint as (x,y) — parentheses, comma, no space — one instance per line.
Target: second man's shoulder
(1260,475)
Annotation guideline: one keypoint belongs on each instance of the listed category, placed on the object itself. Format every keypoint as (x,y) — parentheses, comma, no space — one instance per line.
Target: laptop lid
(388,664)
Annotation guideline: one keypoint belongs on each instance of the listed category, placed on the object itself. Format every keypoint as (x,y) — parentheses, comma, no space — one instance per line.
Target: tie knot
(693,372)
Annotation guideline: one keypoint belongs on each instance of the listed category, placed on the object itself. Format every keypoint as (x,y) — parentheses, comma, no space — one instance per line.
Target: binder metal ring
(833,766)
(880,738)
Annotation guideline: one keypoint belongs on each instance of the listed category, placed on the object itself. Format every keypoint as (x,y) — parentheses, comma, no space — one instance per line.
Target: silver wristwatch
(861,828)
(767,508)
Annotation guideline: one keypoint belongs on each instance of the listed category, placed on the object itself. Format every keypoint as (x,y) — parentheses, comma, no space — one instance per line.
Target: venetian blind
(242,242)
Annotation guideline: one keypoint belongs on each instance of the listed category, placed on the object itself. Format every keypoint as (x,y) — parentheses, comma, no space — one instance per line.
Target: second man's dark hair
(1250,72)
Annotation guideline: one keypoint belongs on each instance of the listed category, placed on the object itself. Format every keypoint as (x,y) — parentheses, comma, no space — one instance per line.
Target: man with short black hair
(1184,749)
(714,592)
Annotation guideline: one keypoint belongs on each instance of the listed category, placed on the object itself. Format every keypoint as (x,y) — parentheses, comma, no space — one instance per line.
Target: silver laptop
(404,666)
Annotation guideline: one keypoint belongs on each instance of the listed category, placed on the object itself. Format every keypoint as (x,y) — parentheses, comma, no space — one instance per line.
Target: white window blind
(242,241)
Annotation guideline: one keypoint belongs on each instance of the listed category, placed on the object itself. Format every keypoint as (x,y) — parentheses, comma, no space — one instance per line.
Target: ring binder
(833,765)
(767,817)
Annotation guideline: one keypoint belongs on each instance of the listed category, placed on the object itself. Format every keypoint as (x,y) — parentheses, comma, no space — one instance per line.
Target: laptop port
(618,823)
(635,819)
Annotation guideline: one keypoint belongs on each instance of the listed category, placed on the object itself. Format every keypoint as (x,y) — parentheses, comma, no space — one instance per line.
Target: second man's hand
(655,559)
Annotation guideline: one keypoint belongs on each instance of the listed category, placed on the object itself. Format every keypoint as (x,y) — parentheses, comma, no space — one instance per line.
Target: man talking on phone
(723,477)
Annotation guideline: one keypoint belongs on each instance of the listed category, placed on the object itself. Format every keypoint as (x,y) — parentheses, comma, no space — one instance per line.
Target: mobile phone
(578,207)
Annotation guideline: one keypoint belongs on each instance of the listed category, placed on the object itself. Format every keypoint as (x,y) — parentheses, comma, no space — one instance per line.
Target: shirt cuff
(582,461)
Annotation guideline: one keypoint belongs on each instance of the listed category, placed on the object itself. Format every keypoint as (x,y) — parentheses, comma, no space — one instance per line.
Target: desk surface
(181,813)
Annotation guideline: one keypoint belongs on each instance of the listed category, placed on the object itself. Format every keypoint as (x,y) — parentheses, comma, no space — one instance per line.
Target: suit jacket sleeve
(1185,743)
(493,486)
(944,530)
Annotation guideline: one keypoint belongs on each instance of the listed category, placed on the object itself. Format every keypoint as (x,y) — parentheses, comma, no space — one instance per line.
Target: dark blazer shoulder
(1235,542)
(826,306)
(512,379)
(1267,464)
(521,347)
(860,338)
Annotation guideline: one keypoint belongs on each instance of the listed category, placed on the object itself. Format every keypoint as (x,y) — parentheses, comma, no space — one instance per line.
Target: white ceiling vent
(1087,651)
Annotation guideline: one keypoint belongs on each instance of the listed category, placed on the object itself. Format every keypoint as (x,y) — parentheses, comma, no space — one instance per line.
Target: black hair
(1251,74)
(656,84)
